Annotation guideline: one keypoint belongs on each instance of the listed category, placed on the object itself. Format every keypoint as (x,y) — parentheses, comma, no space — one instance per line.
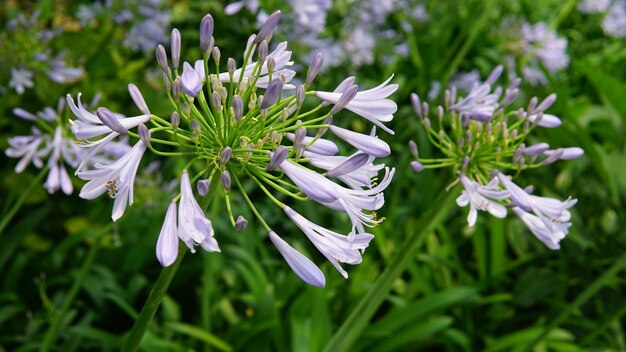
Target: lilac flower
(335,247)
(314,185)
(480,104)
(20,80)
(481,197)
(370,145)
(117,179)
(193,225)
(549,235)
(191,82)
(356,179)
(614,23)
(301,265)
(236,6)
(319,146)
(593,6)
(26,148)
(371,104)
(167,244)
(60,152)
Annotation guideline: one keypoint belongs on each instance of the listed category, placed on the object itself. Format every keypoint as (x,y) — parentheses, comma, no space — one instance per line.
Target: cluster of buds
(482,139)
(249,125)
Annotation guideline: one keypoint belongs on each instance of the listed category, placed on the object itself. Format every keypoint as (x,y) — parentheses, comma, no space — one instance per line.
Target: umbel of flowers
(484,140)
(233,122)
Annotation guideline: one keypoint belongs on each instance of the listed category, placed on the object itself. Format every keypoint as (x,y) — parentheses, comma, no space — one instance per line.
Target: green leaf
(201,335)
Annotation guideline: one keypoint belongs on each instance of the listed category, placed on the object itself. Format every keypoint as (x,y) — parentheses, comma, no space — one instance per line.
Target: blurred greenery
(72,277)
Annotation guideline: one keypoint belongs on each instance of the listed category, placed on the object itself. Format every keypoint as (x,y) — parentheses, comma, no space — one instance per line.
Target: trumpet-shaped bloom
(368,144)
(117,179)
(320,146)
(357,179)
(549,235)
(302,266)
(26,148)
(371,104)
(167,244)
(481,197)
(314,185)
(192,223)
(335,247)
(480,104)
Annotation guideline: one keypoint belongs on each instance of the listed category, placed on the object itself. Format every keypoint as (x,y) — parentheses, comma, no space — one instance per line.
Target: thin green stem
(22,198)
(153,302)
(356,322)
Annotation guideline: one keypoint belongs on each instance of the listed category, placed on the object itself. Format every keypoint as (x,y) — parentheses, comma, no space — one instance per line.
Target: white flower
(193,225)
(371,104)
(20,80)
(481,197)
(335,247)
(167,244)
(301,265)
(549,235)
(368,144)
(546,45)
(61,150)
(25,147)
(117,179)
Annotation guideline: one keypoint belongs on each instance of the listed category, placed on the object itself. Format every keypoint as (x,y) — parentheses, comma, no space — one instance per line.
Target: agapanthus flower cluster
(485,142)
(28,53)
(537,49)
(241,125)
(51,138)
(614,22)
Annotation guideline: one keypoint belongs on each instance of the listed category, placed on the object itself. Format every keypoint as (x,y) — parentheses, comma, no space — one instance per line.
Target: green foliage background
(493,287)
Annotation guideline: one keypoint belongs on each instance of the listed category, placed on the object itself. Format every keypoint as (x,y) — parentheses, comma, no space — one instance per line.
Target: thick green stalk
(22,198)
(606,278)
(153,302)
(59,316)
(353,326)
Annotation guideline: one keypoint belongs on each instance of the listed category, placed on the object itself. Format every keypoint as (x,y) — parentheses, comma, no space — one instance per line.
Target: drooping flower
(481,197)
(302,266)
(167,244)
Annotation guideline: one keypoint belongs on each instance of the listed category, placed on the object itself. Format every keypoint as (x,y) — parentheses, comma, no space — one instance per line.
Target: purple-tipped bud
(137,97)
(175,120)
(177,89)
(417,166)
(161,57)
(206,33)
(190,80)
(231,66)
(351,164)
(552,156)
(314,68)
(175,45)
(440,112)
(196,130)
(425,109)
(271,64)
(413,149)
(203,187)
(109,120)
(186,108)
(300,95)
(532,104)
(144,134)
(466,161)
(167,83)
(345,99)
(536,149)
(494,75)
(515,83)
(216,54)
(237,107)
(271,93)
(299,136)
(417,105)
(225,155)
(225,178)
(241,223)
(267,29)
(277,157)
(262,52)
(216,101)
(427,123)
(566,153)
(546,103)
(509,96)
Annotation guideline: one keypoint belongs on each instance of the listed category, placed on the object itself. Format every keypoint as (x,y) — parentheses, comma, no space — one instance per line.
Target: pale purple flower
(167,244)
(546,45)
(481,197)
(593,6)
(614,23)
(368,144)
(26,148)
(371,104)
(191,80)
(359,46)
(310,15)
(547,120)
(193,226)
(335,247)
(21,79)
(117,179)
(566,153)
(61,150)
(480,104)
(357,179)
(236,6)
(301,265)
(319,146)
(314,185)
(549,235)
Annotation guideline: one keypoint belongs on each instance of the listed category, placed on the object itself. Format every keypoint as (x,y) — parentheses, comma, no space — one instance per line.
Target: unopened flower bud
(536,149)
(175,45)
(196,130)
(137,97)
(177,89)
(271,65)
(277,157)
(275,137)
(314,68)
(531,105)
(345,99)
(203,187)
(413,149)
(186,108)
(427,123)
(271,93)
(354,162)
(425,109)
(225,155)
(167,83)
(225,178)
(300,95)
(417,166)
(161,57)
(267,29)
(509,96)
(417,105)
(144,134)
(546,103)
(231,66)
(262,52)
(175,120)
(206,33)
(217,54)
(216,101)
(494,75)
(109,120)
(237,107)
(240,223)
